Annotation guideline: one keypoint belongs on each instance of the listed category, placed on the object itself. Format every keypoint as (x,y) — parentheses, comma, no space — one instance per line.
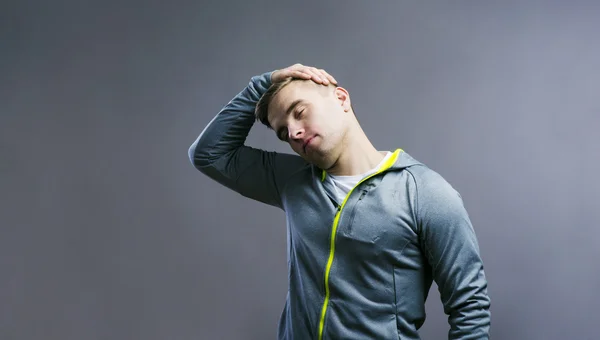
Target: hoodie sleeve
(219,151)
(451,247)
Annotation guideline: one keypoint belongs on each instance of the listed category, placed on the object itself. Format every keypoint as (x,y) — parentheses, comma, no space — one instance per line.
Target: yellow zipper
(336,221)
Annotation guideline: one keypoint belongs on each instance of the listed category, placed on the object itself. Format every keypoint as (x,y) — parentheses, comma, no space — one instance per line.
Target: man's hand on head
(300,71)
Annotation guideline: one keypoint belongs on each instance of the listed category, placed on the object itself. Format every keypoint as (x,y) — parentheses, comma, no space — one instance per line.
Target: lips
(306,143)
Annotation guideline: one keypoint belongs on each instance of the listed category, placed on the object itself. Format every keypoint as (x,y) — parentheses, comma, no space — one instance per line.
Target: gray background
(108,232)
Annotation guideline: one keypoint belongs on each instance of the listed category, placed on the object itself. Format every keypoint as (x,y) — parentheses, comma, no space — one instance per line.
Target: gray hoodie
(361,269)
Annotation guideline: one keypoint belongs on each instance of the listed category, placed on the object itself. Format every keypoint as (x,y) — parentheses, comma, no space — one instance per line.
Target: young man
(368,230)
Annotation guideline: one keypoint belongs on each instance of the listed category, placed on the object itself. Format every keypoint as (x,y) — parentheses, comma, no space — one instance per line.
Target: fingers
(300,71)
(328,76)
(317,76)
(310,72)
(299,74)
(322,77)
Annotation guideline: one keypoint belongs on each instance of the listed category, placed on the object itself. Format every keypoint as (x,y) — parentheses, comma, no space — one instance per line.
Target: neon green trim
(336,220)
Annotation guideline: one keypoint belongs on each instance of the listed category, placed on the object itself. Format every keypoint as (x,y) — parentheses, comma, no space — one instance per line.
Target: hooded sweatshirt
(362,256)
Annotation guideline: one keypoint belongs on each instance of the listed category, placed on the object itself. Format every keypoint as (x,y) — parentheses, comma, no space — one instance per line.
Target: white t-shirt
(339,186)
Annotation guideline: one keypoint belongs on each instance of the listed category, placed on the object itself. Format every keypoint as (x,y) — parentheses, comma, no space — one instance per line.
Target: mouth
(306,143)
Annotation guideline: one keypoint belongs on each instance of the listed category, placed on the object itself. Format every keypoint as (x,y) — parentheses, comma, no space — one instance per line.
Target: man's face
(312,119)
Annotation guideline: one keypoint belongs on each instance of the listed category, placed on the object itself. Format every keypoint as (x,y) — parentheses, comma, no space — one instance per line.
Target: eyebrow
(289,110)
(293,105)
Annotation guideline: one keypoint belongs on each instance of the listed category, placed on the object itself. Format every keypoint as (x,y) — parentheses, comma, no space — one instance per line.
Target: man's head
(315,119)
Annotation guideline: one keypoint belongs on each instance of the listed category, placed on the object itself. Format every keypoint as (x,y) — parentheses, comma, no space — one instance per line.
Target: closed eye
(282,134)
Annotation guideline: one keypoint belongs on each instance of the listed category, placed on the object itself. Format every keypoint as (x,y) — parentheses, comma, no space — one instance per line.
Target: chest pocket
(374,223)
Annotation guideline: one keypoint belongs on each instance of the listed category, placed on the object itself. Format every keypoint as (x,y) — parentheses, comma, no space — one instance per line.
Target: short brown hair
(262,107)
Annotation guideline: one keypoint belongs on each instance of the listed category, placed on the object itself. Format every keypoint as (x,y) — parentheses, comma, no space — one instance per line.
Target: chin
(323,160)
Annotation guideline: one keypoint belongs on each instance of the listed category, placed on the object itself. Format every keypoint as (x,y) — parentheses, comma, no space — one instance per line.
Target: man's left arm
(450,244)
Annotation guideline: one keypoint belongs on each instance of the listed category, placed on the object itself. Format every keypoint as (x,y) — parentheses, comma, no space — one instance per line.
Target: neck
(358,156)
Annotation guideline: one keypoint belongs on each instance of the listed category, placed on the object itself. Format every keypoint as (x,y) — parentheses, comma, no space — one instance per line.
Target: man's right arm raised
(219,151)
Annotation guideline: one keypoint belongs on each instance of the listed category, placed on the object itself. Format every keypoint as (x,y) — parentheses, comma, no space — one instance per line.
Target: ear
(343,98)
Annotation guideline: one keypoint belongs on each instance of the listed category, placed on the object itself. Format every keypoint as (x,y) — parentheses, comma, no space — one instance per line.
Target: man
(368,230)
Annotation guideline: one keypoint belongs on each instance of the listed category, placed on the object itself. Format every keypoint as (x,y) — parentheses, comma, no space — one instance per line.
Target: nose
(296,133)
